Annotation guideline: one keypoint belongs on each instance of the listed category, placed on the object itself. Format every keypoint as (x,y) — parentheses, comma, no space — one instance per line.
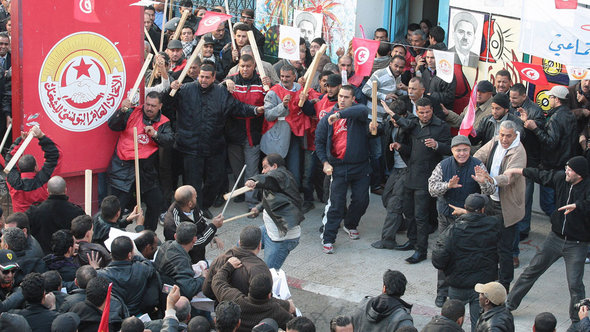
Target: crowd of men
(296,149)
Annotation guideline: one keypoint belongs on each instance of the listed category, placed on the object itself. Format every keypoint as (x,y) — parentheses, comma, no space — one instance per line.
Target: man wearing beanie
(485,89)
(490,125)
(570,232)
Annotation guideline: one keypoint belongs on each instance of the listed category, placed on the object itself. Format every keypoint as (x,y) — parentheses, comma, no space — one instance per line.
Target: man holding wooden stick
(283,209)
(342,145)
(203,109)
(26,183)
(153,131)
(230,59)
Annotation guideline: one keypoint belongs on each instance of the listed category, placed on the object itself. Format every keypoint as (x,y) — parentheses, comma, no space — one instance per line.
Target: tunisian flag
(531,73)
(210,21)
(364,55)
(466,128)
(85,11)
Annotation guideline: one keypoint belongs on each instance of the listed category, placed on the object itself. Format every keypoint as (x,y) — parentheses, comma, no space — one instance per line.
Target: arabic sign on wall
(559,35)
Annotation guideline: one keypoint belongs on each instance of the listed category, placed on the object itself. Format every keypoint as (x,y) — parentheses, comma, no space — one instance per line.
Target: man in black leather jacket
(495,315)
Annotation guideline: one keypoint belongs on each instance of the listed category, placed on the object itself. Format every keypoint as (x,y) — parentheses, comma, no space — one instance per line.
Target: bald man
(185,208)
(52,215)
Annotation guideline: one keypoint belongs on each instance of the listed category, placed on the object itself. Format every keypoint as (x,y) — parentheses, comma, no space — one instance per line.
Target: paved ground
(324,286)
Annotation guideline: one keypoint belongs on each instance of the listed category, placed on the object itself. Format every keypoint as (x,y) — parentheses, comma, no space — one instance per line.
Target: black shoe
(523,236)
(378,190)
(440,301)
(382,245)
(417,257)
(206,213)
(405,247)
(219,201)
(239,199)
(308,206)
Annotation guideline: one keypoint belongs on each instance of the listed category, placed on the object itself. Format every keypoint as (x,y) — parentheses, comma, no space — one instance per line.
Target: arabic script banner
(561,35)
(71,72)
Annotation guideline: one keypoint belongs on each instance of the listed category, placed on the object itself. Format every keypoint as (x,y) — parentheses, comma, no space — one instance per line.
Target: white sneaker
(352,233)
(328,248)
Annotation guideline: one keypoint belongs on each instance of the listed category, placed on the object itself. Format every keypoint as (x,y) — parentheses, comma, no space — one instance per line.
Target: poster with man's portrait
(310,24)
(465,34)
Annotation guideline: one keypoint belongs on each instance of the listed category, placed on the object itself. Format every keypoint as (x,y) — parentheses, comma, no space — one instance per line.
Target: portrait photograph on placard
(465,34)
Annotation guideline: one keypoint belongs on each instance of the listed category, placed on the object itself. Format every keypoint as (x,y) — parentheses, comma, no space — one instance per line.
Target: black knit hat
(502,100)
(579,165)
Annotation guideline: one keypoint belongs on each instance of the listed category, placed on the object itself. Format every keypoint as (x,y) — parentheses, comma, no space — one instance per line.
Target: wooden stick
(19,153)
(180,24)
(88,192)
(152,76)
(147,34)
(313,69)
(374,102)
(8,129)
(237,192)
(306,75)
(234,188)
(257,58)
(137,184)
(170,11)
(189,62)
(231,30)
(163,23)
(239,216)
(285,13)
(146,63)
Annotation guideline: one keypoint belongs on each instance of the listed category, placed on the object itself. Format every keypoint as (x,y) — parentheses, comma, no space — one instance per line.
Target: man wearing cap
(489,126)
(464,29)
(8,267)
(467,251)
(208,53)
(505,151)
(569,236)
(388,89)
(175,52)
(451,181)
(495,315)
(483,108)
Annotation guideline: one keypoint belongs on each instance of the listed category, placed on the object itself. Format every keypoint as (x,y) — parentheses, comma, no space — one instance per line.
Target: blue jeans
(293,158)
(375,153)
(468,296)
(554,247)
(275,252)
(547,200)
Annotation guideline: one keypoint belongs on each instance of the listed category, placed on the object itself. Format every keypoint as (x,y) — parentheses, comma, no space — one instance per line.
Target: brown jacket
(454,120)
(511,189)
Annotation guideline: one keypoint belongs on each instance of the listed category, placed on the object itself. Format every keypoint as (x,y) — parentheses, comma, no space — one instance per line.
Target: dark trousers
(467,296)
(393,199)
(211,170)
(152,199)
(506,270)
(359,201)
(554,247)
(170,169)
(418,218)
(442,287)
(313,177)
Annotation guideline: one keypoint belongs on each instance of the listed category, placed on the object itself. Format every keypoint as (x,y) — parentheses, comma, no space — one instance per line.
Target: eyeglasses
(4,44)
(8,271)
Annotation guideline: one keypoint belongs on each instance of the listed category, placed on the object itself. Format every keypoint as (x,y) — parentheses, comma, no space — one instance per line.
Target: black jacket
(576,225)
(205,231)
(281,198)
(530,141)
(467,251)
(102,228)
(487,129)
(135,282)
(122,172)
(559,139)
(201,118)
(86,248)
(497,319)
(356,158)
(442,324)
(74,297)
(27,265)
(388,129)
(175,268)
(437,88)
(50,216)
(382,313)
(422,160)
(38,317)
(66,266)
(90,315)
(238,130)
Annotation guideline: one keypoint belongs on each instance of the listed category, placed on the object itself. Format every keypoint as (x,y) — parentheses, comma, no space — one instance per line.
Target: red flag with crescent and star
(531,73)
(210,21)
(364,55)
